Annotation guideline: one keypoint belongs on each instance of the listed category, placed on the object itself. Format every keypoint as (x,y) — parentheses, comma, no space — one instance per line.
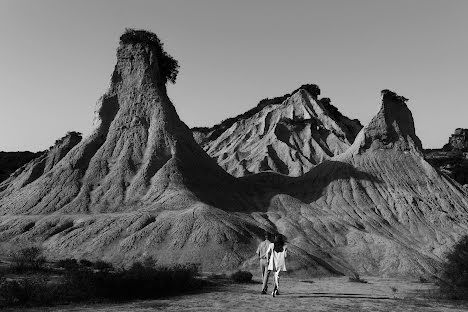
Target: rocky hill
(11,161)
(140,185)
(452,159)
(288,134)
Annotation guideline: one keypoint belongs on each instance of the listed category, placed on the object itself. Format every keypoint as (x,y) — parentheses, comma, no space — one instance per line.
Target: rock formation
(288,134)
(452,159)
(11,161)
(458,141)
(140,185)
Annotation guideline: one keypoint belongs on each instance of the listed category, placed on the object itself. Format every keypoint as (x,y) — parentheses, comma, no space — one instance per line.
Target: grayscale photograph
(216,155)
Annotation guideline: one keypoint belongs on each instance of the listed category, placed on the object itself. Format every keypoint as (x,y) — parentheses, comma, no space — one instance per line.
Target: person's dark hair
(279,243)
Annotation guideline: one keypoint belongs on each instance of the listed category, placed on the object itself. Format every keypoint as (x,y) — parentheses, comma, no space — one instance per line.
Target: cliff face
(452,159)
(140,185)
(458,140)
(139,154)
(290,135)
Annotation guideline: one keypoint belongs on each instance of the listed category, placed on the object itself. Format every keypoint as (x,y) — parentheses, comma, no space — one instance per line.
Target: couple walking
(272,258)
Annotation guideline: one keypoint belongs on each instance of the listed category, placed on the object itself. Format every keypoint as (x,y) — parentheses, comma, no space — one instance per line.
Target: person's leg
(265,281)
(262,268)
(277,273)
(265,272)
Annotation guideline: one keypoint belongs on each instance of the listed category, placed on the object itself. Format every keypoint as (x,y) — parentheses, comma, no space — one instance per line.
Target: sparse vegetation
(168,66)
(242,277)
(28,259)
(83,282)
(454,281)
(393,96)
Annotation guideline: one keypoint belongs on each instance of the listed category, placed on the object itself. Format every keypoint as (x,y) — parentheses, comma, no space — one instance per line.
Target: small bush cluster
(168,66)
(242,277)
(86,281)
(454,281)
(28,259)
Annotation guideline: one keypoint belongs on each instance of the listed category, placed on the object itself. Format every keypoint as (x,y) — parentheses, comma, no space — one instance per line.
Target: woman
(276,255)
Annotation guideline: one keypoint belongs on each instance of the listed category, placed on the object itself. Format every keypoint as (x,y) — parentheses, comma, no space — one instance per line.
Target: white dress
(277,259)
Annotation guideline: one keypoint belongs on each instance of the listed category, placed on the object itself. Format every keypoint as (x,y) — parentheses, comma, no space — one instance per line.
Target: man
(261,253)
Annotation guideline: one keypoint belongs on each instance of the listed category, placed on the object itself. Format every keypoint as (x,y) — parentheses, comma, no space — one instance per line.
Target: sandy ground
(326,294)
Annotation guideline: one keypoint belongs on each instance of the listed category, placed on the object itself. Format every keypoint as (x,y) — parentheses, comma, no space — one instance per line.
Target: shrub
(102,265)
(30,291)
(168,66)
(86,263)
(85,284)
(387,94)
(29,258)
(454,282)
(242,277)
(67,264)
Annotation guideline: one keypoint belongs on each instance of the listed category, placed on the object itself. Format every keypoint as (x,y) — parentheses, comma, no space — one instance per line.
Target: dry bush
(28,259)
(454,281)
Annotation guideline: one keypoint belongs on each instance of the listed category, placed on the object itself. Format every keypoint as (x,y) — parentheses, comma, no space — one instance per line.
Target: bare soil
(324,294)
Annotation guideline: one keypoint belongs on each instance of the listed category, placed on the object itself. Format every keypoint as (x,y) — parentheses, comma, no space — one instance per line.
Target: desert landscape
(372,220)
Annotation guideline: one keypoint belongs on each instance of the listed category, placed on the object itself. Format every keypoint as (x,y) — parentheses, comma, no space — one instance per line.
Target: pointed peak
(391,128)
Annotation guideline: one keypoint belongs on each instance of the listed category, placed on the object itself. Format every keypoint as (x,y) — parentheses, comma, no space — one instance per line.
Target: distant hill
(289,134)
(452,159)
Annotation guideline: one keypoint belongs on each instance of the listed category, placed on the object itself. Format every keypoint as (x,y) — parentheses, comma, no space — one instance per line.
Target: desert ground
(317,294)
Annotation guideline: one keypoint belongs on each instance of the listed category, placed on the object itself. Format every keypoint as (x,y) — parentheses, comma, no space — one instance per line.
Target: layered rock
(140,185)
(289,135)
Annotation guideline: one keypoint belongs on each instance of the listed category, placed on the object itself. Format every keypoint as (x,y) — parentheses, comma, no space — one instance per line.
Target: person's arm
(258,250)
(268,252)
(285,251)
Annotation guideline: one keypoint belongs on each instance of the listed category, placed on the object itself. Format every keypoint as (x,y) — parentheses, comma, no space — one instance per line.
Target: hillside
(288,134)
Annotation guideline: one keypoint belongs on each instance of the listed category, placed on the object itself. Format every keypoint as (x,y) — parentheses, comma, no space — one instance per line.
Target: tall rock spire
(391,128)
(138,150)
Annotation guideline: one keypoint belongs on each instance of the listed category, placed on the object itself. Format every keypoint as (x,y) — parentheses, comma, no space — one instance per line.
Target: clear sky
(56,58)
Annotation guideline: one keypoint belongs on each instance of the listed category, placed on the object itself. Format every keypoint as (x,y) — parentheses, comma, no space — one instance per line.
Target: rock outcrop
(288,134)
(458,141)
(11,161)
(452,159)
(140,185)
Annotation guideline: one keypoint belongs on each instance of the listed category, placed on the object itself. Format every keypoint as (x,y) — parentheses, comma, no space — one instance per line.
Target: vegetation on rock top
(168,66)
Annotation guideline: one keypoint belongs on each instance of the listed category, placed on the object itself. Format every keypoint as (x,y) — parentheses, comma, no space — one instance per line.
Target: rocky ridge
(288,134)
(140,185)
(11,161)
(452,159)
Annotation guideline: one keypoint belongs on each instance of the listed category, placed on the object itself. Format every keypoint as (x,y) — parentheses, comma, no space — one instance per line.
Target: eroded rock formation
(289,134)
(452,159)
(11,161)
(140,185)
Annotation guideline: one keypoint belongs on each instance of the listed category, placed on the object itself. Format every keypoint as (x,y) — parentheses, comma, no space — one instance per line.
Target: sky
(56,59)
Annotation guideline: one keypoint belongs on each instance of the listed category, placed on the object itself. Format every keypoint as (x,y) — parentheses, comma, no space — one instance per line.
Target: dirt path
(327,294)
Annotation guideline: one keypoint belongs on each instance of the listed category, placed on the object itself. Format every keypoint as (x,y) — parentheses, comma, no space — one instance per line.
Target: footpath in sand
(326,294)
